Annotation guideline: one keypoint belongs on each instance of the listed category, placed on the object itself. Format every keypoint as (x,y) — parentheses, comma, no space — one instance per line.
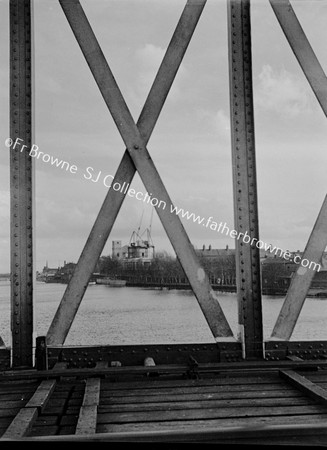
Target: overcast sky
(190,145)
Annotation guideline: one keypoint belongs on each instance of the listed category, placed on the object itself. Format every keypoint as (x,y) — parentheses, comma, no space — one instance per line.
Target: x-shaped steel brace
(317,242)
(136,157)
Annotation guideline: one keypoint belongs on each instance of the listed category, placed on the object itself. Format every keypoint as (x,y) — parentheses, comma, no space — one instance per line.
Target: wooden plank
(26,416)
(9,412)
(8,388)
(179,405)
(46,421)
(69,420)
(321,384)
(301,281)
(244,178)
(218,435)
(180,386)
(318,376)
(72,410)
(42,395)
(218,385)
(87,420)
(59,402)
(18,403)
(5,422)
(136,146)
(45,431)
(232,390)
(92,392)
(208,413)
(308,387)
(13,397)
(22,423)
(306,421)
(302,49)
(224,395)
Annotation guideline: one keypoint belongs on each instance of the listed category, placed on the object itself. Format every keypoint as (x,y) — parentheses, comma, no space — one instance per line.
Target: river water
(148,316)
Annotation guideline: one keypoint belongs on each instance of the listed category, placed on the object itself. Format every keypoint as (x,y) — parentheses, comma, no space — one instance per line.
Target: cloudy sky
(190,145)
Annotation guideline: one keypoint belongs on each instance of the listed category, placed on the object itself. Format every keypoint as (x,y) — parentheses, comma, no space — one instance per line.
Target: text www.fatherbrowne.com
(124,188)
(222,227)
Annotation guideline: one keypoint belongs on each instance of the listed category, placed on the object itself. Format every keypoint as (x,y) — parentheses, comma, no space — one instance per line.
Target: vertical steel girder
(21,177)
(302,278)
(244,178)
(136,157)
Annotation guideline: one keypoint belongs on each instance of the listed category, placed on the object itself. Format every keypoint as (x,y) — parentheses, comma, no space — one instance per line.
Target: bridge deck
(250,405)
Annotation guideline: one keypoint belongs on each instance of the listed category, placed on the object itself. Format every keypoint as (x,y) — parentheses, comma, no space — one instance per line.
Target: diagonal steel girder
(301,281)
(302,49)
(317,242)
(136,157)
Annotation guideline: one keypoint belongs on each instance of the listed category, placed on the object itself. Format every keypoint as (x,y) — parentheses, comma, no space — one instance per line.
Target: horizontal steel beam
(242,368)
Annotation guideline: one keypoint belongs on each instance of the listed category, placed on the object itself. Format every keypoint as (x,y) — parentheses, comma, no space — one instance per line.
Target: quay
(238,390)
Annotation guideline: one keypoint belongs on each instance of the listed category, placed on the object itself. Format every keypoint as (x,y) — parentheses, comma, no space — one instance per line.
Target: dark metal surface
(4,358)
(244,178)
(21,183)
(279,350)
(88,356)
(184,371)
(133,355)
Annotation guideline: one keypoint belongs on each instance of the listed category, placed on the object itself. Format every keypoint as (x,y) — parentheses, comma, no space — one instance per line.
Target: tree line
(166,269)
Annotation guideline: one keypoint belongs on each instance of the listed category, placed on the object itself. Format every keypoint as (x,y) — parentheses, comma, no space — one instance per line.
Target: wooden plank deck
(259,406)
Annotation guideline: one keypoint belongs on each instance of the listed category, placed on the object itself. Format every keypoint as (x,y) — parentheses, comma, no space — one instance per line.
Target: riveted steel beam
(135,140)
(301,281)
(302,49)
(126,170)
(129,355)
(21,182)
(244,178)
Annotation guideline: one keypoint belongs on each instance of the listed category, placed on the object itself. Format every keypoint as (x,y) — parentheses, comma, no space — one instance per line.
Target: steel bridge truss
(250,342)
